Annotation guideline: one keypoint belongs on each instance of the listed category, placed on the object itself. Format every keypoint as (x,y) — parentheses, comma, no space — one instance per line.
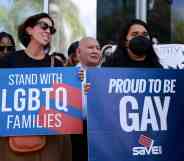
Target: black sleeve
(6,61)
(10,60)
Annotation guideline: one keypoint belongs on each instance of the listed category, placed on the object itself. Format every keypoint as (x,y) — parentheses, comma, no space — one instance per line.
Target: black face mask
(140,45)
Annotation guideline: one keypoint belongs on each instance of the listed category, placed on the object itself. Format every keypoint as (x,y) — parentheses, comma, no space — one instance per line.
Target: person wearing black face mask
(134,48)
(140,45)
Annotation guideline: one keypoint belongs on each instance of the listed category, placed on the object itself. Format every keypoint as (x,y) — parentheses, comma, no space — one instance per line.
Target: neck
(35,51)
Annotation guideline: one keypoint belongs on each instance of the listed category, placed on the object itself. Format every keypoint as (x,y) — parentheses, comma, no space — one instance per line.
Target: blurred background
(98,18)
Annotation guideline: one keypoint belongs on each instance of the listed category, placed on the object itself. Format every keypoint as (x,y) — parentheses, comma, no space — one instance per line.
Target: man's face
(89,52)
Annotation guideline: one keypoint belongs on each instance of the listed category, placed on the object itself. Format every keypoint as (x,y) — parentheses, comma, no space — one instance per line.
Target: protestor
(59,57)
(35,34)
(135,48)
(89,55)
(7,44)
(72,54)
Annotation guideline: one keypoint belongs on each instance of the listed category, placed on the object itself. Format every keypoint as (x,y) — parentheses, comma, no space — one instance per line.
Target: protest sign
(171,56)
(40,101)
(135,114)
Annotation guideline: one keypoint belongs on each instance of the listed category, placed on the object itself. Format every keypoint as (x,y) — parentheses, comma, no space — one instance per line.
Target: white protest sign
(171,55)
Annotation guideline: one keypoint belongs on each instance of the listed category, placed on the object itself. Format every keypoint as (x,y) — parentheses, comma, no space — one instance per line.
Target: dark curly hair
(31,21)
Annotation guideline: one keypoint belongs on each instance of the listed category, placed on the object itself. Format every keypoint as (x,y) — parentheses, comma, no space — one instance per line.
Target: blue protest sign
(135,114)
(40,101)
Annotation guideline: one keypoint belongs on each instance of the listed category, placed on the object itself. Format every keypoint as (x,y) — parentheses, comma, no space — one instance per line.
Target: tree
(16,12)
(68,25)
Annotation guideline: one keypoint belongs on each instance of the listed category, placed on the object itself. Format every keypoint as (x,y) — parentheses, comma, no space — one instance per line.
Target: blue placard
(135,115)
(40,101)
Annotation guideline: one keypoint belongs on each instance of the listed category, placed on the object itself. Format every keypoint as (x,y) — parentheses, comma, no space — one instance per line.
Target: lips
(95,56)
(46,37)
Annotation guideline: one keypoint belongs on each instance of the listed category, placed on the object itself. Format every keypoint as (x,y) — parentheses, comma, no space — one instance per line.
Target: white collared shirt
(84,95)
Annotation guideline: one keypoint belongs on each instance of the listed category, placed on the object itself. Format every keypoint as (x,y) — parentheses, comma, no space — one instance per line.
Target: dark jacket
(121,59)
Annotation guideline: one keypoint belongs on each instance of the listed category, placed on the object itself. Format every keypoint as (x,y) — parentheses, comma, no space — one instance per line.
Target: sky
(6,3)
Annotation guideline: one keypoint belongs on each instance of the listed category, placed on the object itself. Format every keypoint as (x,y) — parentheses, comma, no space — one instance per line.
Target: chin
(94,64)
(45,43)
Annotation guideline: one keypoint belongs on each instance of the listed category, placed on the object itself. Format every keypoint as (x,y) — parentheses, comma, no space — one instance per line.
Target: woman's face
(138,50)
(5,46)
(42,32)
(137,30)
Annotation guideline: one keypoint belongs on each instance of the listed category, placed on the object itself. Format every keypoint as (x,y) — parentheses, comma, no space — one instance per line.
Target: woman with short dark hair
(34,21)
(35,34)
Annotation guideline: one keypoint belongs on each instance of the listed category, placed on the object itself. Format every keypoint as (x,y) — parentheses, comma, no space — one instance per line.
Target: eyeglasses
(45,26)
(7,47)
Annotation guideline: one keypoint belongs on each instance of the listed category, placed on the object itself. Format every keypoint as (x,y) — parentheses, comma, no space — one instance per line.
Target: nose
(96,49)
(48,30)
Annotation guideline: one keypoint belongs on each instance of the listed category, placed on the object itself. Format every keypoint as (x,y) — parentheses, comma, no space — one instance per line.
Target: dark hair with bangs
(31,21)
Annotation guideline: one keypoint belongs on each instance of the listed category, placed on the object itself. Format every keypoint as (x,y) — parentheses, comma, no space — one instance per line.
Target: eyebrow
(136,32)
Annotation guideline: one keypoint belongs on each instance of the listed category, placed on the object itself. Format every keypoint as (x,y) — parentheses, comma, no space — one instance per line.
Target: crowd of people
(134,49)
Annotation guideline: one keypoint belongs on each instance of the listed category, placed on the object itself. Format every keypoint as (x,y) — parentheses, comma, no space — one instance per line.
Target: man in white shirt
(89,55)
(88,52)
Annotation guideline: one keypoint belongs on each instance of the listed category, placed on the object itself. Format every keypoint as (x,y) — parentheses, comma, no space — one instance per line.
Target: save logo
(147,147)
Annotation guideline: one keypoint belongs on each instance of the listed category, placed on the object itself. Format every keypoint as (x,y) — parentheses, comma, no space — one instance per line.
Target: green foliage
(179,31)
(11,17)
(67,19)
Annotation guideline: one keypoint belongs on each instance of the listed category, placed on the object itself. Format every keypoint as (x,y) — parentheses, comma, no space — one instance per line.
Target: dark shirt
(57,148)
(121,59)
(20,59)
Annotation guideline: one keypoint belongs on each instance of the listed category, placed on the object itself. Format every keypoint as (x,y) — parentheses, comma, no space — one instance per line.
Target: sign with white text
(47,101)
(171,55)
(135,114)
